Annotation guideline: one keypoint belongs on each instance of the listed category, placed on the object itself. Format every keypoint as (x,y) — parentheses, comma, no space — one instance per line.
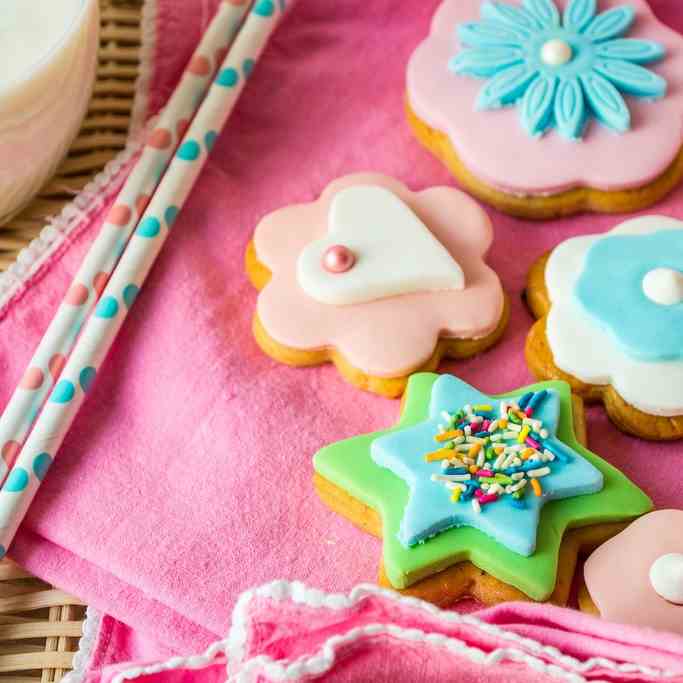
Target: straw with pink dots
(50,356)
(130,273)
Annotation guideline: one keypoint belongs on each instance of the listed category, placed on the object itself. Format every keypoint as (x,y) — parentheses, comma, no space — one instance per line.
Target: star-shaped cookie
(426,526)
(510,521)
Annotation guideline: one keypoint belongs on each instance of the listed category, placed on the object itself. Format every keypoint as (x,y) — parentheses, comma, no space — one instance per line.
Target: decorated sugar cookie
(545,108)
(380,280)
(611,322)
(650,593)
(475,495)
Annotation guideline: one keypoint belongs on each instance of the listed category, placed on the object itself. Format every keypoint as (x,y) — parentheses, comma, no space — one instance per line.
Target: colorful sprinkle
(530,441)
(447,436)
(442,454)
(537,399)
(525,400)
(483,473)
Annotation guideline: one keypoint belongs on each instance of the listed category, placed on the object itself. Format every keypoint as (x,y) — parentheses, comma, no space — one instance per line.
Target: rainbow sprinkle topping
(486,456)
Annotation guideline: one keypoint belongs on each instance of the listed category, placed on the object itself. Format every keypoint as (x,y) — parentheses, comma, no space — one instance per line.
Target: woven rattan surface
(39,624)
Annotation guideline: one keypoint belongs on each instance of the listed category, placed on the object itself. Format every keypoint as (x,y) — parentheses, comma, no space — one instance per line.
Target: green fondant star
(349,466)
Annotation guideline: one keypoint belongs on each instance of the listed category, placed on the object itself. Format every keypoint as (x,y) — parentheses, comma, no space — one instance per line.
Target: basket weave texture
(39,624)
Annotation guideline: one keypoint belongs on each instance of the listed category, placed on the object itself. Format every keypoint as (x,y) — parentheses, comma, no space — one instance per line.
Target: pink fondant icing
(386,337)
(498,150)
(617,574)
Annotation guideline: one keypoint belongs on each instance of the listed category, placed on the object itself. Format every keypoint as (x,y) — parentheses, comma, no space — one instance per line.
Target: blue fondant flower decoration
(610,289)
(431,510)
(559,69)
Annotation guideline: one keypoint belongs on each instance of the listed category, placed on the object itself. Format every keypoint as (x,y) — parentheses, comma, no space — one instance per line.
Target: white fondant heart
(395,252)
(666,576)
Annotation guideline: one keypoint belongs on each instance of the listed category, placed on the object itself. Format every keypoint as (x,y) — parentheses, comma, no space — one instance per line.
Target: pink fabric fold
(186,478)
(285,631)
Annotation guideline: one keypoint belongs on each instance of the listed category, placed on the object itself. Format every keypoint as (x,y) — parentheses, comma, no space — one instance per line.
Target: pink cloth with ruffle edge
(374,635)
(186,478)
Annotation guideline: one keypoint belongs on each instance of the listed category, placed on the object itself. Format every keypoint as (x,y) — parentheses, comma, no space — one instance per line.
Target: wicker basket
(40,625)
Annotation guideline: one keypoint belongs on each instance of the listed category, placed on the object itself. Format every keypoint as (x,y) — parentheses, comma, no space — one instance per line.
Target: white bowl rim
(44,59)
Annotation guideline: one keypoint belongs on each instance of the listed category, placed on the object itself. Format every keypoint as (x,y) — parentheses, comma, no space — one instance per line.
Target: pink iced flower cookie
(650,593)
(377,279)
(544,108)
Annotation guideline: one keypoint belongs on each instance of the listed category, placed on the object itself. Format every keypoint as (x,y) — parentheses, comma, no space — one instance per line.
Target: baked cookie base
(539,358)
(585,601)
(464,579)
(547,206)
(391,387)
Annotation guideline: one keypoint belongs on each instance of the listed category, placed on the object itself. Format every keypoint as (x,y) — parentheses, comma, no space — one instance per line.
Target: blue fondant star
(430,508)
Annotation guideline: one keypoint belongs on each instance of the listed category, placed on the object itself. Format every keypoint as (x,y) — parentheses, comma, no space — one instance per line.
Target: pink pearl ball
(338,259)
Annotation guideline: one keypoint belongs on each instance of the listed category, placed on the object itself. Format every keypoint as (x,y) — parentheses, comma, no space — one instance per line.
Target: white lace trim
(86,647)
(90,198)
(561,665)
(148,40)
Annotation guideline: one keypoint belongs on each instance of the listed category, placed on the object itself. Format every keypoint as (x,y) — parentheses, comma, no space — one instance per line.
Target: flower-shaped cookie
(380,280)
(483,513)
(650,592)
(500,89)
(559,70)
(612,322)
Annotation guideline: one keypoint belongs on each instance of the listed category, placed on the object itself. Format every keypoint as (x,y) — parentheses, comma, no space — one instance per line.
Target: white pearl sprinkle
(556,52)
(664,286)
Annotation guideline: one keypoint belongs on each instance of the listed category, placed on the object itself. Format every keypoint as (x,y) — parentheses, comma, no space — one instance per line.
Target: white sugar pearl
(666,576)
(664,286)
(556,52)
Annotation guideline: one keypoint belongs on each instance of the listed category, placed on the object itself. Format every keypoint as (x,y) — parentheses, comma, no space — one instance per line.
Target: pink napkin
(285,631)
(186,479)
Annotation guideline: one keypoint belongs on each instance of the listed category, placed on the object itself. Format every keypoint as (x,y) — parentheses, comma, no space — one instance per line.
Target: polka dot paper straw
(128,277)
(49,358)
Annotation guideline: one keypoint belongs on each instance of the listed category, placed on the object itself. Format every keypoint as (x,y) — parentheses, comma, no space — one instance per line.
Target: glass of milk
(48,59)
